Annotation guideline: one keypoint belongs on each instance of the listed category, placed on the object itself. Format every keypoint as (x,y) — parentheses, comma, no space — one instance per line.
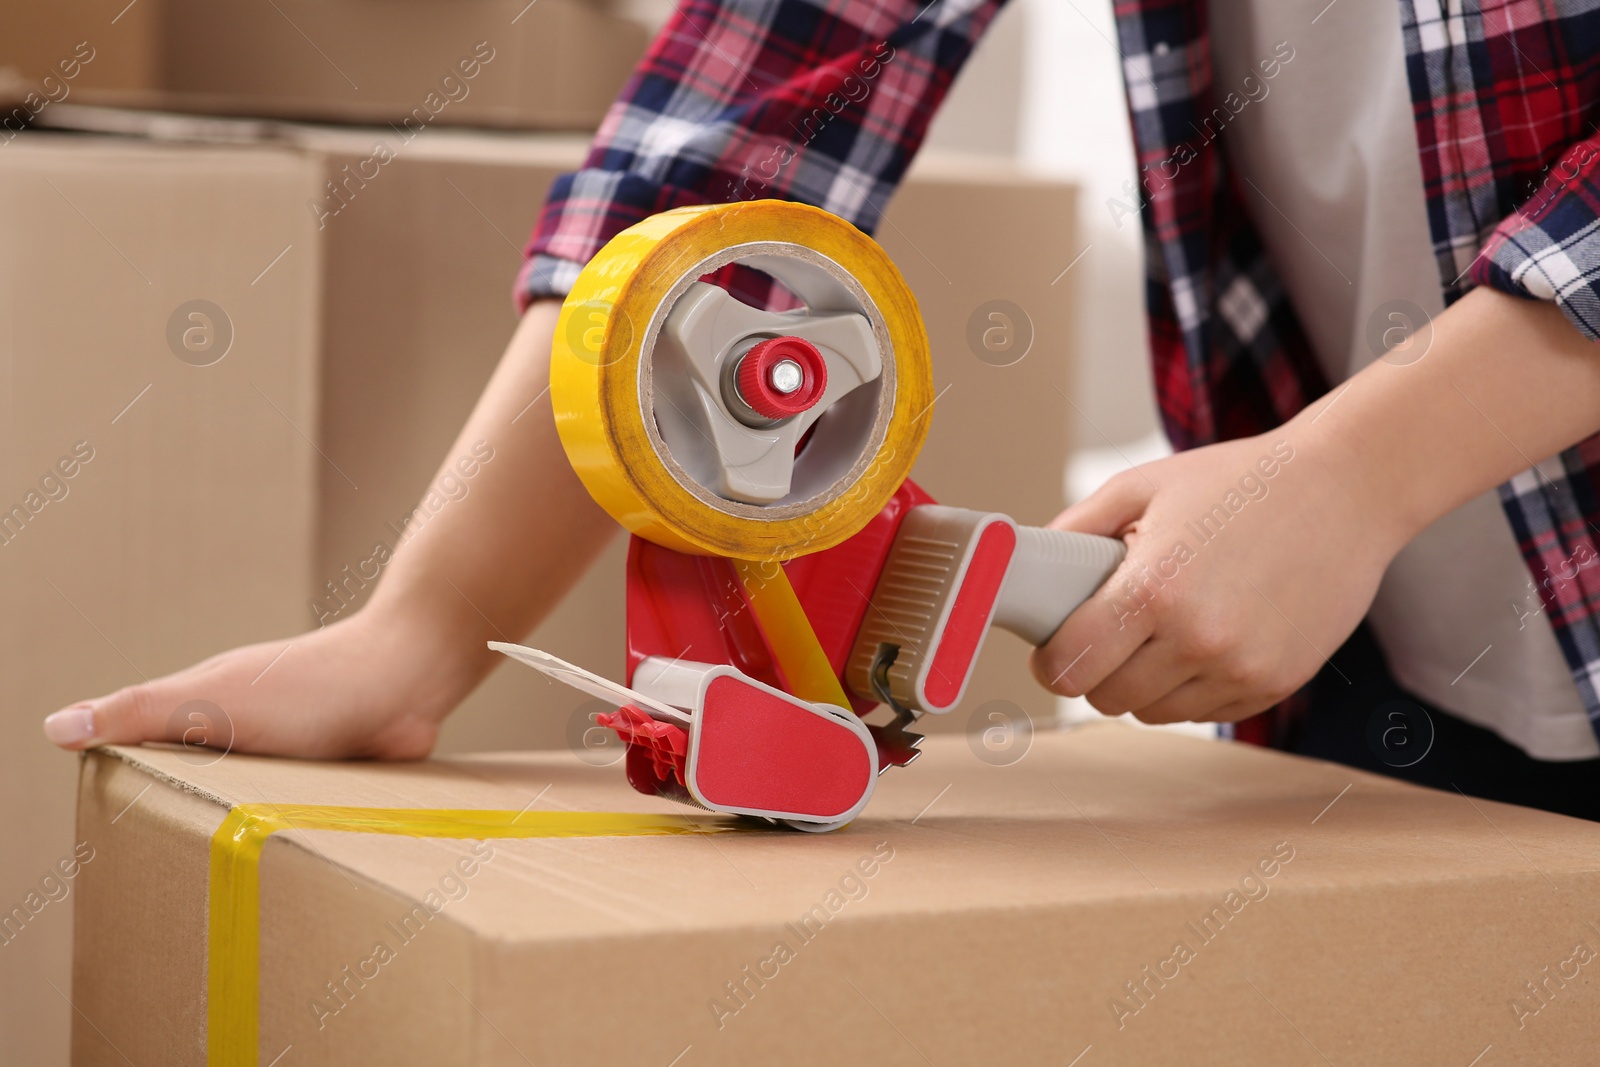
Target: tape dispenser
(785,577)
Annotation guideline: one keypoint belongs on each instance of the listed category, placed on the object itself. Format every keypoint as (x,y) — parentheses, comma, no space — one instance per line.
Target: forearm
(490,565)
(1505,384)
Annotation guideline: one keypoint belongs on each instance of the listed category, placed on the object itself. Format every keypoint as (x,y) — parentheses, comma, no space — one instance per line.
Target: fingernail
(71,726)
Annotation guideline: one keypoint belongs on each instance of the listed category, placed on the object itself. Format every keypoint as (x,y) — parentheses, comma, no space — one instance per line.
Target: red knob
(782,376)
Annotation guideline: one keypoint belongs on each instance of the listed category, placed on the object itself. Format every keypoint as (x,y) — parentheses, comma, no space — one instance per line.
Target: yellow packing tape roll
(233,957)
(601,363)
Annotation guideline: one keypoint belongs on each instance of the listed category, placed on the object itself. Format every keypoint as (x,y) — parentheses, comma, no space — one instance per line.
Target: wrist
(442,657)
(1359,471)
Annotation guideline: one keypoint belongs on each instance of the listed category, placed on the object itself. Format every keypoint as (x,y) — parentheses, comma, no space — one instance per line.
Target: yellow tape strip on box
(234,949)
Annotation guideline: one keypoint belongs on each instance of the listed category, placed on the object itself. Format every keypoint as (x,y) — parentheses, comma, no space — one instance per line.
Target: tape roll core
(601,378)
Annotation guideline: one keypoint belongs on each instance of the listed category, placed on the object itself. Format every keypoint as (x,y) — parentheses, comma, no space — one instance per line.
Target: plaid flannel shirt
(826,102)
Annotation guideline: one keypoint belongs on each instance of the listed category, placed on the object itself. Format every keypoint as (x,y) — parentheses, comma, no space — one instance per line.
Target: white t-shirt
(1327,159)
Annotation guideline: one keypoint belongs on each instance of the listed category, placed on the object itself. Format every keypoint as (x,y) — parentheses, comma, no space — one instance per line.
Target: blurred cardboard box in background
(159,493)
(553,64)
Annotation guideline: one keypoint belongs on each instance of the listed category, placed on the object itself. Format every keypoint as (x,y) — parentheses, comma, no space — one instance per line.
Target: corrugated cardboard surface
(190,528)
(1006,910)
(555,64)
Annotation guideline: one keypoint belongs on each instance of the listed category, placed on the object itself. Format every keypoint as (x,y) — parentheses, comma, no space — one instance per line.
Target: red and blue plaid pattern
(826,102)
(1506,97)
(821,102)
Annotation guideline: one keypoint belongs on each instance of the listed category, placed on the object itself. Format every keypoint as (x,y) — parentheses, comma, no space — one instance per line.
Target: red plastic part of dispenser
(692,608)
(666,744)
(758,751)
(755,376)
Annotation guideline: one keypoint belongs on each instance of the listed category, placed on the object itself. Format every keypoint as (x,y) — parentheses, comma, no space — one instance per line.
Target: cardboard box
(120,41)
(1115,897)
(167,496)
(554,64)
